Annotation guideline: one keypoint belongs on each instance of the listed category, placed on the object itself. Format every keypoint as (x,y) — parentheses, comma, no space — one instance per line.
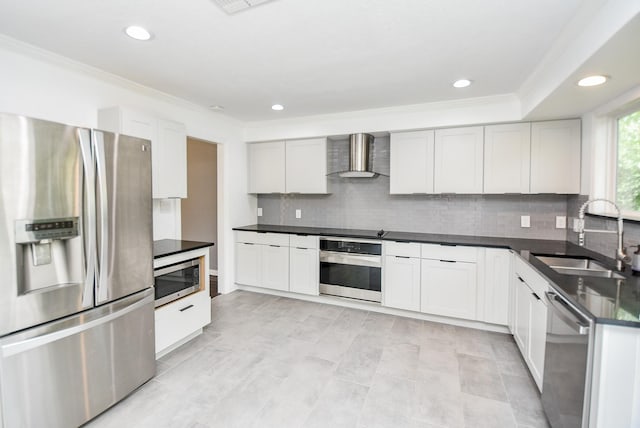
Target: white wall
(39,84)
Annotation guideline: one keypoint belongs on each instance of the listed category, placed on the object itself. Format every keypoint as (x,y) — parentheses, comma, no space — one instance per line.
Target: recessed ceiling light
(594,80)
(137,32)
(216,107)
(277,107)
(462,83)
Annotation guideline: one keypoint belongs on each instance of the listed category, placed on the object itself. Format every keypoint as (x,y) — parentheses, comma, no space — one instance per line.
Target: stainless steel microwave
(176,281)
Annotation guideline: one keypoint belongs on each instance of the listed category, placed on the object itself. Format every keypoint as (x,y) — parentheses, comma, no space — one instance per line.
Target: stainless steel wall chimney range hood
(359,148)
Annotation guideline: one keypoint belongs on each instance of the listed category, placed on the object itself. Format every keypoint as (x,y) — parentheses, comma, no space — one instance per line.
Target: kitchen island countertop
(168,247)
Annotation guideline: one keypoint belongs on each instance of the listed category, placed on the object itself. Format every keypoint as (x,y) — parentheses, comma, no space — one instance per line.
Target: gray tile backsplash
(366,204)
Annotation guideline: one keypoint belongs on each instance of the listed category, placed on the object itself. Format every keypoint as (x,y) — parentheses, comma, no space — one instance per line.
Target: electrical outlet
(561,222)
(259,212)
(298,213)
(525,221)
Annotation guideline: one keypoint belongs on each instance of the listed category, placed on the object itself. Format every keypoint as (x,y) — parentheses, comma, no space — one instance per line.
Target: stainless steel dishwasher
(566,387)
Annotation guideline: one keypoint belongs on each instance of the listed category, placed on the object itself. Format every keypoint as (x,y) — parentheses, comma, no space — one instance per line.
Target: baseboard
(376,307)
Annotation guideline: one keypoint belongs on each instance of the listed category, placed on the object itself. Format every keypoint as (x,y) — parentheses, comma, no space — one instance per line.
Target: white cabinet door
(169,155)
(248,264)
(538,336)
(275,267)
(266,167)
(137,124)
(496,285)
(401,287)
(306,166)
(555,157)
(411,162)
(168,147)
(448,288)
(507,158)
(303,270)
(458,160)
(522,316)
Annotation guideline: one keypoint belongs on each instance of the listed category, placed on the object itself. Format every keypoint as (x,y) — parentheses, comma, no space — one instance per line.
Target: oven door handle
(174,268)
(347,259)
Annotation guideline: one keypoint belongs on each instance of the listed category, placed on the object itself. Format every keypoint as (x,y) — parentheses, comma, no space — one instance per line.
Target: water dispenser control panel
(29,231)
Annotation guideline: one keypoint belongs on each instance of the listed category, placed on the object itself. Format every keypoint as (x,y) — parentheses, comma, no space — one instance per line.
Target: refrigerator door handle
(25,345)
(103,215)
(89,220)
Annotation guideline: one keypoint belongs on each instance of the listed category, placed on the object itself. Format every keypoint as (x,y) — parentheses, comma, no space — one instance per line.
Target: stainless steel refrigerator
(76,271)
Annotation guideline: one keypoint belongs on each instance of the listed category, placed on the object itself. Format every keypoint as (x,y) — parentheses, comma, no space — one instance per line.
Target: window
(628,163)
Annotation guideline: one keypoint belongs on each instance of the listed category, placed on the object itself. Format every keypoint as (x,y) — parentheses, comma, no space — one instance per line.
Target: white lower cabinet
(537,337)
(401,287)
(248,263)
(178,320)
(181,320)
(530,318)
(275,267)
(262,260)
(497,271)
(448,288)
(303,270)
(521,316)
(278,261)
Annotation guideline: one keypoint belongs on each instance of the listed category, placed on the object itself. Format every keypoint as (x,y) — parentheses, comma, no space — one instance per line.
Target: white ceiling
(312,56)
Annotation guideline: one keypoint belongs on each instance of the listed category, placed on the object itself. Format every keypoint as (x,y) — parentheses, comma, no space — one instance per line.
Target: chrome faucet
(621,255)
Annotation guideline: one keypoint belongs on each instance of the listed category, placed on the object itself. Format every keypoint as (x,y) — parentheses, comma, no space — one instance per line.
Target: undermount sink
(579,266)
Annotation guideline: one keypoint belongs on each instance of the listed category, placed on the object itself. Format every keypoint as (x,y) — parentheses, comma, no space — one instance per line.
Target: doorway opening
(199,211)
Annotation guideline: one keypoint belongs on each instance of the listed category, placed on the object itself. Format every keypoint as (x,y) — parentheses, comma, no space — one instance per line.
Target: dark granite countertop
(169,247)
(607,300)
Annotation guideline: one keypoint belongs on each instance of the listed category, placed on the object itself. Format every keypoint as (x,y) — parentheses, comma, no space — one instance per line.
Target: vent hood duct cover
(359,148)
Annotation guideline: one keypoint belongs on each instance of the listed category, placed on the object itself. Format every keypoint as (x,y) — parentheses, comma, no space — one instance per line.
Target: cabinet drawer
(533,279)
(403,249)
(303,241)
(179,319)
(280,239)
(456,253)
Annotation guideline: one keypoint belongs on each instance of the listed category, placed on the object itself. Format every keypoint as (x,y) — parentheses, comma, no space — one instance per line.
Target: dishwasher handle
(578,322)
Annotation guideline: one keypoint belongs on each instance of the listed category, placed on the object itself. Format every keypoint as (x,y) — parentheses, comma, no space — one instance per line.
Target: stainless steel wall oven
(176,281)
(351,268)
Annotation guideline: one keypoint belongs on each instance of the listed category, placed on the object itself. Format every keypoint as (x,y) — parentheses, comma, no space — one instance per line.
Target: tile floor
(268,361)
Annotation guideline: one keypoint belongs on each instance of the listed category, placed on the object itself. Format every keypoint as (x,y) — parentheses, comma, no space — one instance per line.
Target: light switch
(298,213)
(561,222)
(525,221)
(259,212)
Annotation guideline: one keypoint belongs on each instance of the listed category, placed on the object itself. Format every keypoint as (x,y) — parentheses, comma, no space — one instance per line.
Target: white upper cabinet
(266,167)
(458,160)
(306,166)
(411,163)
(168,147)
(555,157)
(171,182)
(507,156)
(296,166)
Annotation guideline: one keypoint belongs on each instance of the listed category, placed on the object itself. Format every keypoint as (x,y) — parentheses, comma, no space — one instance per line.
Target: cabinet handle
(403,257)
(186,307)
(301,248)
(248,243)
(536,296)
(521,280)
(448,261)
(276,246)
